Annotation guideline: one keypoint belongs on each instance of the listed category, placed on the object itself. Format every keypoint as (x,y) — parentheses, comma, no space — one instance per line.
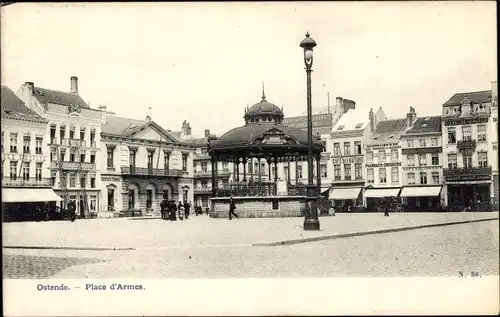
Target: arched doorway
(151,192)
(167,192)
(133,197)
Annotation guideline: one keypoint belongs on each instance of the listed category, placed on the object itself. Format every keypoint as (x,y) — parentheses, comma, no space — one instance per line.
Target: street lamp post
(311,221)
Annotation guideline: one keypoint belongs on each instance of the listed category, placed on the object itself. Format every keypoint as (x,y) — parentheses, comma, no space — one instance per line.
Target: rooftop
(426,125)
(483,96)
(389,129)
(121,126)
(353,119)
(46,96)
(13,107)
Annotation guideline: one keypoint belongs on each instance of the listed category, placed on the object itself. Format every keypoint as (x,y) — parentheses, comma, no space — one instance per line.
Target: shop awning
(424,191)
(344,193)
(25,195)
(381,192)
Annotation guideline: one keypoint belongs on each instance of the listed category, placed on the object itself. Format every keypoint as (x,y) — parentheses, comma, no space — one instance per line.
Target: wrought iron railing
(152,171)
(297,189)
(247,189)
(466,144)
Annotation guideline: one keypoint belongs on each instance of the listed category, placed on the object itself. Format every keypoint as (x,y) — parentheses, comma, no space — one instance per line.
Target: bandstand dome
(263,135)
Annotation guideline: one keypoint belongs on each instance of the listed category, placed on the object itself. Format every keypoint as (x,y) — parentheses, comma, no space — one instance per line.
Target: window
(204,167)
(83,181)
(381,156)
(92,182)
(369,175)
(357,147)
(26,170)
(452,161)
(93,202)
(411,178)
(410,143)
(256,167)
(347,170)
(131,158)
(369,156)
(481,133)
(82,157)
(435,159)
(204,184)
(422,142)
(347,148)
(336,172)
(92,138)
(38,171)
(299,172)
(53,177)
(63,155)
(184,162)
(336,149)
(38,145)
(53,155)
(422,159)
(324,142)
(62,134)
(166,160)
(482,158)
(149,198)
(452,136)
(394,175)
(26,144)
(382,175)
(285,171)
(225,166)
(434,142)
(111,199)
(72,180)
(13,142)
(150,159)
(72,133)
(467,159)
(387,156)
(110,157)
(358,171)
(435,177)
(466,133)
(423,178)
(72,156)
(92,158)
(82,134)
(131,199)
(394,155)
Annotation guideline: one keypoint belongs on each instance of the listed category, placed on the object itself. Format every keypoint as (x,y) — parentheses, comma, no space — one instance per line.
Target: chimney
(103,113)
(410,117)
(207,133)
(338,105)
(74,85)
(371,117)
(148,118)
(31,86)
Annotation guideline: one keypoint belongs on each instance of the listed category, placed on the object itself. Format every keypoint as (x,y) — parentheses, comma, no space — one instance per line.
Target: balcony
(144,171)
(224,172)
(467,174)
(201,156)
(86,166)
(93,144)
(466,145)
(202,190)
(28,182)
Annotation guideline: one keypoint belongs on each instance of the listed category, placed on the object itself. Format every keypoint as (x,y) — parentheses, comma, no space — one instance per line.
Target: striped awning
(25,195)
(423,191)
(381,192)
(344,193)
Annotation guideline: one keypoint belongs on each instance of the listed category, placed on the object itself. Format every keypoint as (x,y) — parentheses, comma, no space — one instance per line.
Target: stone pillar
(296,170)
(260,170)
(244,169)
(318,173)
(238,169)
(214,176)
(288,180)
(269,169)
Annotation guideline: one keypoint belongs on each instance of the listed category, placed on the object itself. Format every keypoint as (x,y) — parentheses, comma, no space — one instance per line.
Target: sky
(205,62)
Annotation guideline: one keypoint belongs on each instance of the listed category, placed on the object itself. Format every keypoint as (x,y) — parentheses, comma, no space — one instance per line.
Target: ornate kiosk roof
(263,135)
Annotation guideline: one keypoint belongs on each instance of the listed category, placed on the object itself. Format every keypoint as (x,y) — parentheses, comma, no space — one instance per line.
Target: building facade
(346,148)
(383,159)
(466,129)
(493,142)
(142,164)
(422,165)
(73,135)
(25,152)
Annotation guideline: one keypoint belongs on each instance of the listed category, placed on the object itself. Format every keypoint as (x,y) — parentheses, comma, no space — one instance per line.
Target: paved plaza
(216,248)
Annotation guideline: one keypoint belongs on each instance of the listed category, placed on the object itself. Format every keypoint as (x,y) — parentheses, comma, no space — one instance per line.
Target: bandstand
(263,139)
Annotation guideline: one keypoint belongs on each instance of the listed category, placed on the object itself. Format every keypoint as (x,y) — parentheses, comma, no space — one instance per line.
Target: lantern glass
(308,54)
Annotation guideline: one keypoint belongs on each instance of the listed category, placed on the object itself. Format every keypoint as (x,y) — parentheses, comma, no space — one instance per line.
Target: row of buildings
(56,146)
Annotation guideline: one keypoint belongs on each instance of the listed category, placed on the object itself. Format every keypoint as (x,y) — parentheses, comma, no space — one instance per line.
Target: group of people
(171,211)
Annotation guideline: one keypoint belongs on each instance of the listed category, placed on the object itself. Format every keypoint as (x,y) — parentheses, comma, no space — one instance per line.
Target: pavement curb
(67,248)
(358,234)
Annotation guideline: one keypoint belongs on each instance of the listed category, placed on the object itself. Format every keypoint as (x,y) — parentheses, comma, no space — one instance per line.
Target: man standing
(187,206)
(232,207)
(180,210)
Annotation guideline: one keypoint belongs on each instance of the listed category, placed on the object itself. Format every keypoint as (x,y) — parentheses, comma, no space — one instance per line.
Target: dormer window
(341,127)
(359,125)
(391,136)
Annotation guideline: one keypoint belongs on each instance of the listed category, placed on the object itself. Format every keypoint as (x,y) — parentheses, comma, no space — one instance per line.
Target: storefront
(346,199)
(376,196)
(421,198)
(27,204)
(474,196)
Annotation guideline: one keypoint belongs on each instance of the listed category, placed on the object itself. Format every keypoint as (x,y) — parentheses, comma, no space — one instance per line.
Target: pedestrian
(331,211)
(232,207)
(163,207)
(386,206)
(187,207)
(172,211)
(72,210)
(180,210)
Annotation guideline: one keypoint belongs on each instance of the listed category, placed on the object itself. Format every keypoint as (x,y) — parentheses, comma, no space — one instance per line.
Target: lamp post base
(311,222)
